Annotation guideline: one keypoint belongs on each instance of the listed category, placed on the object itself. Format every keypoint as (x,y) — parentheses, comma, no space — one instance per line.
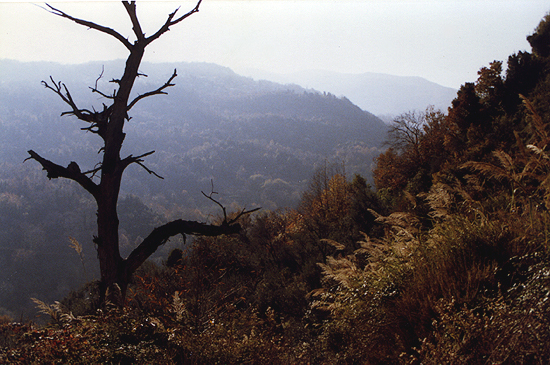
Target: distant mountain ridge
(259,141)
(380,94)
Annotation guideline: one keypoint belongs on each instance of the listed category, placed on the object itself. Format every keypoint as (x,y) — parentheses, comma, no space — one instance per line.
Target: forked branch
(225,221)
(61,90)
(96,90)
(98,120)
(243,213)
(169,22)
(139,160)
(158,91)
(131,10)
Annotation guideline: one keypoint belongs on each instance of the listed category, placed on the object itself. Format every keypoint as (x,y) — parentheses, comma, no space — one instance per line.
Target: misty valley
(265,223)
(255,143)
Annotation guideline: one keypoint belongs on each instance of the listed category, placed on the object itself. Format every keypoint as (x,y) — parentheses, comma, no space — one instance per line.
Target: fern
(539,128)
(178,306)
(333,243)
(538,151)
(54,311)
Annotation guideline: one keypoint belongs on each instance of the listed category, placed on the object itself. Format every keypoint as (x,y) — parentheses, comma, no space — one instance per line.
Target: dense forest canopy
(444,261)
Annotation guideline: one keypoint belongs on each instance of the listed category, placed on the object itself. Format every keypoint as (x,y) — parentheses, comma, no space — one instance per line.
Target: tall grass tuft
(54,311)
(75,245)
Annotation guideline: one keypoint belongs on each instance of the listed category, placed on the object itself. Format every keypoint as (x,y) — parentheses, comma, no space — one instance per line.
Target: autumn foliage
(446,262)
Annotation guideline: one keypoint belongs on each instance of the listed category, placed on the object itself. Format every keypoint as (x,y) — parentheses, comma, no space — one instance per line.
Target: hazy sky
(445,41)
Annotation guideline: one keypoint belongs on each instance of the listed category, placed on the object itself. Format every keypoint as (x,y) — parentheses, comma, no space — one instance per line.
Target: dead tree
(108,124)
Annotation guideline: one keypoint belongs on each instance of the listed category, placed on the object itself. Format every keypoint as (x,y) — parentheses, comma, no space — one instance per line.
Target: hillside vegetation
(445,262)
(212,125)
(255,143)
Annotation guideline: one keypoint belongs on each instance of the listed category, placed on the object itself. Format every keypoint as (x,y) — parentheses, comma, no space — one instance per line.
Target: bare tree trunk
(109,125)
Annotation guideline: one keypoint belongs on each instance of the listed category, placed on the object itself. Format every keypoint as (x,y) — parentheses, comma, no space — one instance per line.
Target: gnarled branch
(98,120)
(158,91)
(161,234)
(72,172)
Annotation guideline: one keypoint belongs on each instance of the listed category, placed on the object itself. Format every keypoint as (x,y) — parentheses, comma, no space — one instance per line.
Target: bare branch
(100,75)
(92,25)
(94,170)
(61,90)
(139,160)
(243,213)
(71,172)
(98,120)
(169,22)
(218,203)
(149,170)
(232,221)
(95,89)
(161,234)
(131,10)
(158,91)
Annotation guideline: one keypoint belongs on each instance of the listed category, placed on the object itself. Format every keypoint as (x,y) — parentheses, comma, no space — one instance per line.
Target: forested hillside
(444,261)
(212,125)
(255,143)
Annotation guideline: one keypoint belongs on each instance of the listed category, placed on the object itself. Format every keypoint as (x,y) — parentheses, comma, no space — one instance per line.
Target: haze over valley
(211,111)
(154,211)
(212,125)
(255,143)
(381,94)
